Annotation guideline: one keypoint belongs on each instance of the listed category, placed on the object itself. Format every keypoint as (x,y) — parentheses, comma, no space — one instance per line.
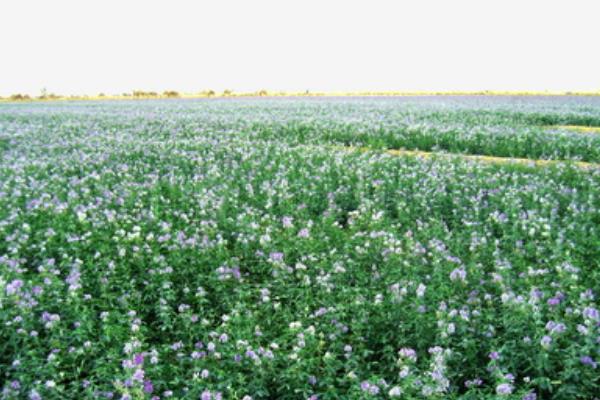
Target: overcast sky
(86,47)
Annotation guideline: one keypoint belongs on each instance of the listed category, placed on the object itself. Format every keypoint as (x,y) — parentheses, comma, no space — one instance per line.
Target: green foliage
(197,249)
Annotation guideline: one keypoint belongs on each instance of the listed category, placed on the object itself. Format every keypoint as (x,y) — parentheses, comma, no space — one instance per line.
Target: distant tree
(171,93)
(47,96)
(19,96)
(141,93)
(263,92)
(227,93)
(101,95)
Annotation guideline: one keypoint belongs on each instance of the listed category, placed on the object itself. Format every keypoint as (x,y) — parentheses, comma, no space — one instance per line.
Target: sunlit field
(301,248)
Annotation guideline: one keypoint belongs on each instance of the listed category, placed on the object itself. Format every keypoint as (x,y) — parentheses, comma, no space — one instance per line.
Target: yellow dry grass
(577,128)
(479,158)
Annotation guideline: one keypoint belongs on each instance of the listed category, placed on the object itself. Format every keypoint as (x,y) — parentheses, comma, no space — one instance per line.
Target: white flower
(421,290)
(295,325)
(451,328)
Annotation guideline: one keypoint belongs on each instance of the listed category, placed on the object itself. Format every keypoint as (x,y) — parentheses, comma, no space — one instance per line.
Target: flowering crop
(226,250)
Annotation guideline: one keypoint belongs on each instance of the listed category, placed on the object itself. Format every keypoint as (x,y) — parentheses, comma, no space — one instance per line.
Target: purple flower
(148,387)
(206,395)
(407,352)
(558,328)
(73,279)
(138,359)
(34,395)
(321,311)
(176,346)
(504,389)
(473,382)
(582,329)
(304,233)
(591,313)
(370,388)
(546,340)
(458,274)
(536,293)
(494,355)
(13,288)
(587,360)
(587,295)
(530,396)
(138,375)
(287,222)
(553,301)
(276,256)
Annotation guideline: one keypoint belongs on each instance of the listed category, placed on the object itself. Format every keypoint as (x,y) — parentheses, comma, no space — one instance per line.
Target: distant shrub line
(142,94)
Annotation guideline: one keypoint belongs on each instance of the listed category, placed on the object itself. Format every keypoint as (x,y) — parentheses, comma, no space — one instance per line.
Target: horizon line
(172,94)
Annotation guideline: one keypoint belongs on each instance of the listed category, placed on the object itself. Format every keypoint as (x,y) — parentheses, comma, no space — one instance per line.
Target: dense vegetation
(228,249)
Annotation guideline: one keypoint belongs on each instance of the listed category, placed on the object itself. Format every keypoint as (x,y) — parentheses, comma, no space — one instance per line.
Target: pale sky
(115,46)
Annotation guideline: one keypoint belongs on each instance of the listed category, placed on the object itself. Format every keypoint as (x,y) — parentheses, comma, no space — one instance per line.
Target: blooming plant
(229,249)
